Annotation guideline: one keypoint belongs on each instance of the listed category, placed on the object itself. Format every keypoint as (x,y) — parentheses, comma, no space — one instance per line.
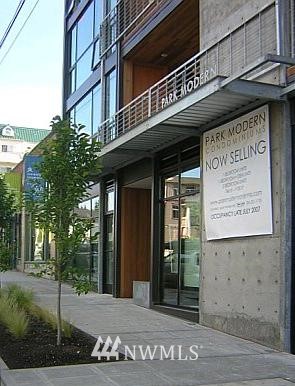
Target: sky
(31,73)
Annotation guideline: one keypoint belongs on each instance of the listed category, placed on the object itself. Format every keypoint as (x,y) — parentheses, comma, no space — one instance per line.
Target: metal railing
(124,17)
(229,56)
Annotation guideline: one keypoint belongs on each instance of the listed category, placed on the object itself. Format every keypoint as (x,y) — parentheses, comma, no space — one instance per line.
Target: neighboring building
(15,142)
(193,102)
(32,245)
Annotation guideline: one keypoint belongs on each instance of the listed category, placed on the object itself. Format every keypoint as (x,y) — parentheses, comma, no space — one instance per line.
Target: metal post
(150,102)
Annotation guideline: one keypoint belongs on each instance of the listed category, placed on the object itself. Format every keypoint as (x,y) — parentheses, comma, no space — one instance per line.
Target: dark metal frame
(292,330)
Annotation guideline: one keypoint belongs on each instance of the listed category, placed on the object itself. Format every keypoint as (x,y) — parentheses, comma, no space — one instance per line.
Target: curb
(3,366)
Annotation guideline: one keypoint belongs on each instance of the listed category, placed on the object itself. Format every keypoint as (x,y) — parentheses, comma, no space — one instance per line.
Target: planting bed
(38,348)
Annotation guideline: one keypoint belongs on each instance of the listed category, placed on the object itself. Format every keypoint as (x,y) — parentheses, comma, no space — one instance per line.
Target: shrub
(51,319)
(13,318)
(44,315)
(67,329)
(21,297)
(15,305)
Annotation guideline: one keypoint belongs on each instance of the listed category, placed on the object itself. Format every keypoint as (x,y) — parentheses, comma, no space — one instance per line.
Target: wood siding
(135,238)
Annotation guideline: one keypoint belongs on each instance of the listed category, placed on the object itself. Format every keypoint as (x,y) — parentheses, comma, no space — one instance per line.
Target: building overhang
(211,105)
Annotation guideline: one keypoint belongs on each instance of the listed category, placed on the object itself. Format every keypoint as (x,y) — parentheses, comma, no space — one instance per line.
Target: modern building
(193,101)
(15,142)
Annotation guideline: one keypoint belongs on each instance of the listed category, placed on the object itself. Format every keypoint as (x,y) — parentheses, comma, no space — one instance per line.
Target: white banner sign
(237,177)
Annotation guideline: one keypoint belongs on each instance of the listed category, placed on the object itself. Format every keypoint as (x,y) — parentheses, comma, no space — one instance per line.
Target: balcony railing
(252,40)
(124,17)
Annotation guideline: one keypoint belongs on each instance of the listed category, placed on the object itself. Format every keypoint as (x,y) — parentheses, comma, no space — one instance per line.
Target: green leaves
(7,212)
(70,162)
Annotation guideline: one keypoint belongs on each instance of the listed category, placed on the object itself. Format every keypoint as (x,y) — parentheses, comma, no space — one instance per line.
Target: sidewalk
(223,360)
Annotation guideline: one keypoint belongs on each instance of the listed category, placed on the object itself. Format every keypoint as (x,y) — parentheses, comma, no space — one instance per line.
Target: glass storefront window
(181,238)
(190,181)
(110,201)
(170,258)
(86,260)
(108,248)
(171,186)
(189,250)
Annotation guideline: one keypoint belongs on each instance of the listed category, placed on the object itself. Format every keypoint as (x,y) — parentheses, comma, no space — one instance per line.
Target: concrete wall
(218,17)
(243,279)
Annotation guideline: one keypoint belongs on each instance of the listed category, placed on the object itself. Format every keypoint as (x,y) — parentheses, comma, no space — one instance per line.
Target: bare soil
(38,348)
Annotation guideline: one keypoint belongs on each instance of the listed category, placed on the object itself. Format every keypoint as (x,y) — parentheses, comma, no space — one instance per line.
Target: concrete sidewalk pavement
(223,359)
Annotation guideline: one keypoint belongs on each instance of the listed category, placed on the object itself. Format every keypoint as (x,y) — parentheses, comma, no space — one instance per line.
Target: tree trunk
(58,313)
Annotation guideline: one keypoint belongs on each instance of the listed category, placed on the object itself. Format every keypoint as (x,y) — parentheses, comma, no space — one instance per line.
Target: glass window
(83,69)
(111,4)
(175,211)
(73,45)
(182,234)
(110,201)
(98,13)
(190,181)
(170,258)
(96,106)
(85,209)
(81,44)
(83,114)
(73,80)
(171,186)
(85,30)
(88,111)
(96,53)
(189,250)
(111,94)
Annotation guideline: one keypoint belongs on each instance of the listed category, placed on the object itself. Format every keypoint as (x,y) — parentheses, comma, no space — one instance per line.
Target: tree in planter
(70,160)
(7,213)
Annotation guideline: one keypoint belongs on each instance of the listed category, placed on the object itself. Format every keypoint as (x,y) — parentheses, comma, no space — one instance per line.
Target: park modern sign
(189,86)
(237,177)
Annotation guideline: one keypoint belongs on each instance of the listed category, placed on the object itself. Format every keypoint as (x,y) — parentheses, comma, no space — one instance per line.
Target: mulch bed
(38,348)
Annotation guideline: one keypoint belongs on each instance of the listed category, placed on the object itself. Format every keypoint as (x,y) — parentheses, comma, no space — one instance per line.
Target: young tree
(70,161)
(7,213)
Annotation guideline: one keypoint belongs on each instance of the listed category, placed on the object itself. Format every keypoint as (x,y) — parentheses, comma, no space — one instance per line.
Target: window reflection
(181,247)
(170,266)
(86,260)
(83,114)
(171,186)
(81,47)
(83,68)
(190,181)
(96,105)
(85,30)
(111,94)
(73,45)
(88,111)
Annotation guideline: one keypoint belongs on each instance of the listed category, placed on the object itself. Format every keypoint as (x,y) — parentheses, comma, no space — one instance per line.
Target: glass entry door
(181,239)
(108,265)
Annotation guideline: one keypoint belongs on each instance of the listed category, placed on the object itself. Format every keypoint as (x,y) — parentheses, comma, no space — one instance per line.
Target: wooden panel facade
(135,238)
